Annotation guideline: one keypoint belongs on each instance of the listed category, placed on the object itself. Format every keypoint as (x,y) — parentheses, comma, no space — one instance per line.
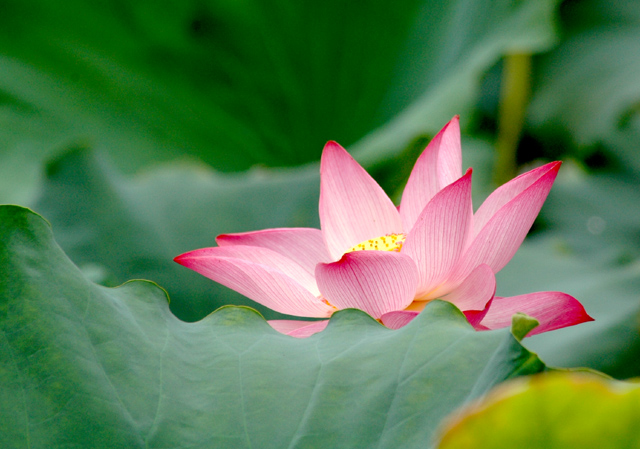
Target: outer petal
(261,256)
(440,235)
(374,281)
(262,275)
(398,318)
(298,329)
(503,234)
(305,246)
(476,290)
(438,166)
(554,310)
(353,207)
(505,193)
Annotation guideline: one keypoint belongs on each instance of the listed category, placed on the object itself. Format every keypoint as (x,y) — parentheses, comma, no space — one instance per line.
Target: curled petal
(475,317)
(398,318)
(438,166)
(353,207)
(298,329)
(553,310)
(261,275)
(305,246)
(440,235)
(374,281)
(497,242)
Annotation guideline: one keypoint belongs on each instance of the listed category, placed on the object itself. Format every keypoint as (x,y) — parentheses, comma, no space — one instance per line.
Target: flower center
(389,242)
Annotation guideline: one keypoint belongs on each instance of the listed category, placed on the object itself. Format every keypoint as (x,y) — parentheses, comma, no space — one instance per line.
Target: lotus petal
(353,207)
(305,246)
(553,310)
(438,166)
(440,235)
(374,281)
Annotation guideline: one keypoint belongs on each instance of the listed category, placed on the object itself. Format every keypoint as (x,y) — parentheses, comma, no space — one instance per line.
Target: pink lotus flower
(391,261)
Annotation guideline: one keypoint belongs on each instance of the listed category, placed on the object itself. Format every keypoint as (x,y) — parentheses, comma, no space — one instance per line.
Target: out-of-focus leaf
(455,52)
(588,87)
(596,215)
(90,366)
(550,411)
(243,83)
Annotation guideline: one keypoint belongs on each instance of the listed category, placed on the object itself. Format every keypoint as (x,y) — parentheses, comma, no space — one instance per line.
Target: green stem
(514,97)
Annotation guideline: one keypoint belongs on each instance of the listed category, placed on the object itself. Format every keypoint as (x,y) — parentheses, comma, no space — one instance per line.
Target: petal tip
(222,237)
(332,145)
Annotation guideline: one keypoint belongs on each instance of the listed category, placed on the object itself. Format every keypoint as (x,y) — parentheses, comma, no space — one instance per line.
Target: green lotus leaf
(90,366)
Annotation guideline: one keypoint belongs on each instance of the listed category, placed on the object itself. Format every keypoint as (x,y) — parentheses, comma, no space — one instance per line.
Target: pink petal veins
(500,238)
(554,310)
(304,246)
(276,283)
(438,166)
(374,281)
(353,207)
(258,255)
(507,192)
(440,235)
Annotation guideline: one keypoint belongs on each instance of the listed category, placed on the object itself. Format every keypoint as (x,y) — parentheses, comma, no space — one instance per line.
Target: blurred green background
(143,129)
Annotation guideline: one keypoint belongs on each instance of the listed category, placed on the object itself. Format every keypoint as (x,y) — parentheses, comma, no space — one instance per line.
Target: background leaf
(550,411)
(87,365)
(237,84)
(587,92)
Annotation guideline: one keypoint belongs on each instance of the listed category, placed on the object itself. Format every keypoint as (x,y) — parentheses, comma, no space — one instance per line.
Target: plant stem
(514,97)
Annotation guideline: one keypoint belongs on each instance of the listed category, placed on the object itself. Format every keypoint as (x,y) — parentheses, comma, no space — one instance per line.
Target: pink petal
(438,166)
(398,318)
(475,317)
(305,246)
(374,281)
(262,256)
(554,310)
(475,291)
(504,232)
(505,193)
(298,329)
(261,275)
(440,235)
(353,207)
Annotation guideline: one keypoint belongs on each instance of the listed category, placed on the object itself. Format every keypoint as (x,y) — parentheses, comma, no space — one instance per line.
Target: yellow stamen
(389,242)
